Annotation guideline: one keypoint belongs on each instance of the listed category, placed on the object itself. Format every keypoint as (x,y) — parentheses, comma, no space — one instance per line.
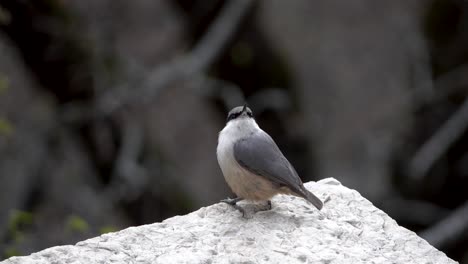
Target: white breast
(242,182)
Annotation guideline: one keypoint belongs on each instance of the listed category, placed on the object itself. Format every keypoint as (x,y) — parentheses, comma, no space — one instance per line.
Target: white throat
(232,132)
(239,128)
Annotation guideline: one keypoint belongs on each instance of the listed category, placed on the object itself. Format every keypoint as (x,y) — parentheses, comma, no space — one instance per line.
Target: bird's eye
(250,114)
(233,116)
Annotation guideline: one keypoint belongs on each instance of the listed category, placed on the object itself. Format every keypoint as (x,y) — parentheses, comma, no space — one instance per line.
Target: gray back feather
(259,154)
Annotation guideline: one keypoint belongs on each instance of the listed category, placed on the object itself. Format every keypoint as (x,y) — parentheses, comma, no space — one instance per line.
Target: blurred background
(110,109)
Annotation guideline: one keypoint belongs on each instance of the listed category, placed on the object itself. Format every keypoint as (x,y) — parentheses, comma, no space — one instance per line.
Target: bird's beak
(245,108)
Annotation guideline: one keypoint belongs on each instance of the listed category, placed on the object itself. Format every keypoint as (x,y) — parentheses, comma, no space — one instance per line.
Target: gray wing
(259,154)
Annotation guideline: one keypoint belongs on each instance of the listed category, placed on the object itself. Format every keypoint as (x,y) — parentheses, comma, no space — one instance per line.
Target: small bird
(253,165)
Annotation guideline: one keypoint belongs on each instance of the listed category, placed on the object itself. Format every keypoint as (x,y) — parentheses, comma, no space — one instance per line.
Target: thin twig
(127,171)
(198,60)
(449,84)
(438,144)
(450,230)
(131,146)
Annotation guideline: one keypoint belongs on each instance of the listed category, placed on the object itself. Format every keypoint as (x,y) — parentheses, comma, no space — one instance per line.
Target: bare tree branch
(450,230)
(129,176)
(198,60)
(449,84)
(438,144)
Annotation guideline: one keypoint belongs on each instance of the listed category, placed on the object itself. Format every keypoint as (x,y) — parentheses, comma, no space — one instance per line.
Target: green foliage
(6,128)
(11,251)
(3,82)
(17,221)
(5,16)
(76,224)
(107,229)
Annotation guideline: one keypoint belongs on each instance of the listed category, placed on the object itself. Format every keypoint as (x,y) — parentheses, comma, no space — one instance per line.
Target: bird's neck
(239,128)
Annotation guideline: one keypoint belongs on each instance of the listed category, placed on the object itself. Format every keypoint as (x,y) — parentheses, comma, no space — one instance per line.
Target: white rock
(349,229)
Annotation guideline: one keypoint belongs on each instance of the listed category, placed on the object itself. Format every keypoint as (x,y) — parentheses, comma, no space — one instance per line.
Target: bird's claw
(240,209)
(233,203)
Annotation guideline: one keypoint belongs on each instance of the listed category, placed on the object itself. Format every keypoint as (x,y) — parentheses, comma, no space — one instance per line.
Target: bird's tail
(311,198)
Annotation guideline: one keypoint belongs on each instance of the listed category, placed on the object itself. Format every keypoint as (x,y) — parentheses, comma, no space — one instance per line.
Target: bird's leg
(233,203)
(269,205)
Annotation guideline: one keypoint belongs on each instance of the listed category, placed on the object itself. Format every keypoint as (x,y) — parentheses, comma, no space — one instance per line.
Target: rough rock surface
(349,229)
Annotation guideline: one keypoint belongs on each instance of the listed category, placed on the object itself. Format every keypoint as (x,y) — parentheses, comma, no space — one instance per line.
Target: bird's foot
(267,207)
(240,209)
(264,207)
(233,202)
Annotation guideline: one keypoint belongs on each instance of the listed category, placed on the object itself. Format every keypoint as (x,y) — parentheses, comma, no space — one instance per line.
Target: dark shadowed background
(110,109)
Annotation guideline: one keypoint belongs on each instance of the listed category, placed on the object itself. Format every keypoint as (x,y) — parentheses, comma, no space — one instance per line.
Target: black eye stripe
(233,116)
